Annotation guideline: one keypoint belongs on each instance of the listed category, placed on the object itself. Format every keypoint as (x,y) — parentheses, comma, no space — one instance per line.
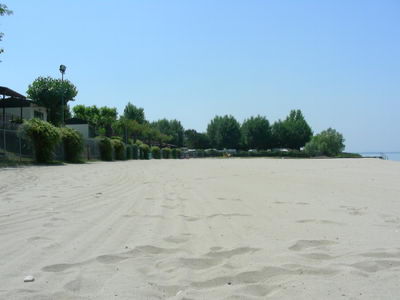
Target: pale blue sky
(338,61)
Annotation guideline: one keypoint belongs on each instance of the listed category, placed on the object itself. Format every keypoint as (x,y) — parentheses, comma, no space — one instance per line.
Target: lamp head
(62,69)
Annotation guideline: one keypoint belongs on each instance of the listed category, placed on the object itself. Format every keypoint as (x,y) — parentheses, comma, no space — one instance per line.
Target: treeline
(223,132)
(131,125)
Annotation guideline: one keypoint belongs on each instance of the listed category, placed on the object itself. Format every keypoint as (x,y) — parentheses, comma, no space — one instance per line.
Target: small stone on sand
(29,278)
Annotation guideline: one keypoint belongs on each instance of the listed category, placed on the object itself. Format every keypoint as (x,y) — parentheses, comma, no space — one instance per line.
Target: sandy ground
(202,229)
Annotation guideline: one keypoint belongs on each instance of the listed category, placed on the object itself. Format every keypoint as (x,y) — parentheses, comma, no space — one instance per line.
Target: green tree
(299,130)
(224,132)
(196,140)
(279,134)
(102,118)
(90,114)
(172,128)
(51,93)
(294,132)
(329,142)
(256,133)
(108,115)
(132,112)
(4,11)
(127,129)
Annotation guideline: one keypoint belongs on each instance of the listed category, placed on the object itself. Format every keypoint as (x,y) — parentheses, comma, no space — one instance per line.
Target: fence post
(20,149)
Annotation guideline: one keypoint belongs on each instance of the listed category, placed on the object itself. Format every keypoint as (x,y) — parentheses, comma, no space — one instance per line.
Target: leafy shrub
(274,153)
(128,154)
(155,151)
(200,153)
(166,153)
(212,153)
(329,142)
(73,144)
(119,148)
(43,136)
(173,153)
(106,148)
(144,151)
(135,150)
(178,153)
(348,155)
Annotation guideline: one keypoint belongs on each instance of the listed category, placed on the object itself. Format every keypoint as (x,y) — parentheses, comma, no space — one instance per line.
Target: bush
(348,155)
(73,144)
(329,142)
(274,153)
(166,153)
(200,153)
(173,153)
(135,151)
(119,148)
(156,153)
(212,153)
(106,148)
(144,151)
(128,151)
(44,138)
(178,153)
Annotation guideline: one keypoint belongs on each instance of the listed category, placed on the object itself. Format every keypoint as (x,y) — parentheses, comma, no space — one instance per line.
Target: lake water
(389,155)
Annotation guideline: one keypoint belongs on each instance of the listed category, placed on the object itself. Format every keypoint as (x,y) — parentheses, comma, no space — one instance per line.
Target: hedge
(156,153)
(173,153)
(128,152)
(178,153)
(166,153)
(144,151)
(73,144)
(265,153)
(106,148)
(44,138)
(135,151)
(213,153)
(119,148)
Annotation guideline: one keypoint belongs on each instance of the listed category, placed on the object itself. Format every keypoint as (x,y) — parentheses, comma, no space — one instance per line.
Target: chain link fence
(14,147)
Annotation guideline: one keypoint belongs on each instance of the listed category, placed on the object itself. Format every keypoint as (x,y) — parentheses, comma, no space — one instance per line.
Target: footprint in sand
(59,267)
(229,253)
(308,244)
(319,222)
(38,238)
(227,215)
(176,239)
(110,259)
(189,218)
(376,265)
(318,256)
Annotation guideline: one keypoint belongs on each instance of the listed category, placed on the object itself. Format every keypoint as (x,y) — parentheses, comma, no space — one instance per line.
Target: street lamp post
(62,70)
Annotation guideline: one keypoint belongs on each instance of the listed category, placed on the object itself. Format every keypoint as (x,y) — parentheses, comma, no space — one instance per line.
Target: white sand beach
(202,229)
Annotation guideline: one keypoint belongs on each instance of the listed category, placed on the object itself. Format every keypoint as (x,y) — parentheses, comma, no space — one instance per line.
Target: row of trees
(223,132)
(257,133)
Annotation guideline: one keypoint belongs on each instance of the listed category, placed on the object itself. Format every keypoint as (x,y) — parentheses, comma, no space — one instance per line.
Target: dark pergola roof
(15,102)
(4,91)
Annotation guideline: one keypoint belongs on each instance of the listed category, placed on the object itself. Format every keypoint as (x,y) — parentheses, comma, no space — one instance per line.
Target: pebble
(29,278)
